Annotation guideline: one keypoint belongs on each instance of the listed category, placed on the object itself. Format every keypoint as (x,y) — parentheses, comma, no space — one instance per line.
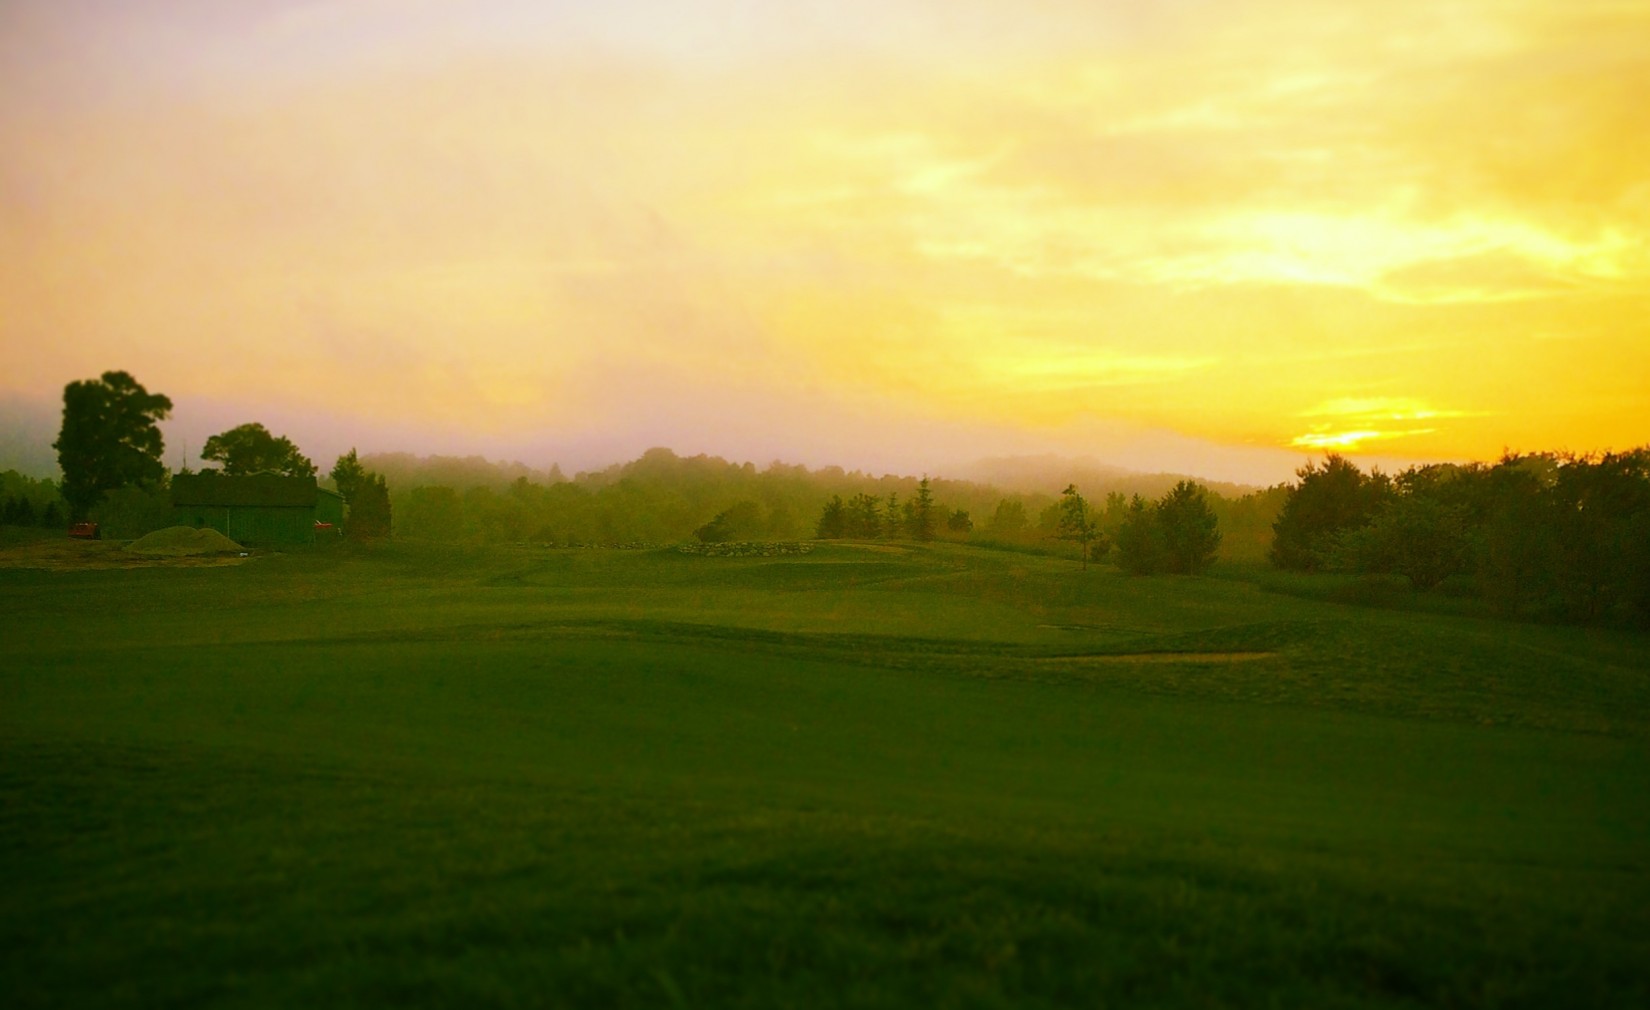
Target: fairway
(904,776)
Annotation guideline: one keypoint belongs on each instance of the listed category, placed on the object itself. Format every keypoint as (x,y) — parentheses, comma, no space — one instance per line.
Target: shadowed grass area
(935,777)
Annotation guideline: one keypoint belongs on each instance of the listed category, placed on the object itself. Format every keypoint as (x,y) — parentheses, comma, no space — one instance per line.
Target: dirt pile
(182,541)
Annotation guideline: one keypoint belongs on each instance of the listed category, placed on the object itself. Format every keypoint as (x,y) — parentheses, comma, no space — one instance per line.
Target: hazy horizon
(898,237)
(29,427)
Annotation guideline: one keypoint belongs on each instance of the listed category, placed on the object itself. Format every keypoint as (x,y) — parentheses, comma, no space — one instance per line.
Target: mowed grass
(865,776)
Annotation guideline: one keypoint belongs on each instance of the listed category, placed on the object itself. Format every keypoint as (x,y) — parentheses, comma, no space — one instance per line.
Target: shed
(260,509)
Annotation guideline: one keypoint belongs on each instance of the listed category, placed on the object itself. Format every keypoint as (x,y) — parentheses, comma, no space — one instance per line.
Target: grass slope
(924,776)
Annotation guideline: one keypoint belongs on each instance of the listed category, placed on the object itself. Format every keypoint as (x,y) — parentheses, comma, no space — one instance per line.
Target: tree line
(25,501)
(1176,533)
(1544,535)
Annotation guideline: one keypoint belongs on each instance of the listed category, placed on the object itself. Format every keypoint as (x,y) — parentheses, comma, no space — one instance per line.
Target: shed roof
(268,490)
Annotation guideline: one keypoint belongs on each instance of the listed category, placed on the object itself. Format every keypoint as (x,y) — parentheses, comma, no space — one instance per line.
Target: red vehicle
(85,531)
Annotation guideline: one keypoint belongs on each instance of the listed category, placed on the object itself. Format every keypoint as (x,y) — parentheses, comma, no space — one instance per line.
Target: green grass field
(867,776)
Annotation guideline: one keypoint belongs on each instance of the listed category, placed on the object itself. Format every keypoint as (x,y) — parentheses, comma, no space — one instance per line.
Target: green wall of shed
(329,507)
(252,525)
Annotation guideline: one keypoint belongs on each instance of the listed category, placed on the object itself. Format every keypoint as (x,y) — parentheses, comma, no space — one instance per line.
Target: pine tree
(864,516)
(833,521)
(922,512)
(369,510)
(1188,526)
(348,474)
(1074,523)
(1140,548)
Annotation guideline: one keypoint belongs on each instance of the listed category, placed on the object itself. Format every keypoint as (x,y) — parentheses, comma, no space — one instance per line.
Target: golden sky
(1206,235)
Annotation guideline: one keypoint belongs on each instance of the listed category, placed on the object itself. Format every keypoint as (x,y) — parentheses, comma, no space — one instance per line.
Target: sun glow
(1350,440)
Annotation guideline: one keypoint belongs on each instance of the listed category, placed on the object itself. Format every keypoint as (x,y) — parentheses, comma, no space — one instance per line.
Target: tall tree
(250,448)
(864,516)
(1075,523)
(348,473)
(369,509)
(892,522)
(1328,501)
(1009,518)
(1595,501)
(110,439)
(19,511)
(1140,546)
(833,520)
(922,512)
(1190,537)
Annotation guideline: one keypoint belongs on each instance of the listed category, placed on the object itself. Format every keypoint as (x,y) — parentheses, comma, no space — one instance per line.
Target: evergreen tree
(1140,546)
(1009,519)
(348,474)
(922,512)
(893,522)
(833,521)
(1188,526)
(1074,522)
(864,516)
(369,509)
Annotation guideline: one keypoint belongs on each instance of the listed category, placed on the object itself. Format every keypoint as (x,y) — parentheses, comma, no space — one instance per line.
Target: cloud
(1206,219)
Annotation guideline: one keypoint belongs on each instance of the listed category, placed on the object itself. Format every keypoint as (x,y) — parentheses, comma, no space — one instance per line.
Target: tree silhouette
(1140,546)
(833,521)
(348,473)
(369,509)
(1328,501)
(1188,526)
(1009,518)
(1075,523)
(922,512)
(865,516)
(109,439)
(250,448)
(741,521)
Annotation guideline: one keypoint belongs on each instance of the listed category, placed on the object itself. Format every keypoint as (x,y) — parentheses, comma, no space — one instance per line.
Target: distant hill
(1050,473)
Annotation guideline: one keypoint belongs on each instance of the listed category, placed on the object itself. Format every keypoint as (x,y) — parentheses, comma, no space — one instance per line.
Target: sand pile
(181,541)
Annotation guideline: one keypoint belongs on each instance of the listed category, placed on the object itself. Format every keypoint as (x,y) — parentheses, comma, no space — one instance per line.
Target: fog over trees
(1548,536)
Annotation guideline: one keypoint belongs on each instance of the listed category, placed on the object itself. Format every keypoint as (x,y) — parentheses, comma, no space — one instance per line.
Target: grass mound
(180,541)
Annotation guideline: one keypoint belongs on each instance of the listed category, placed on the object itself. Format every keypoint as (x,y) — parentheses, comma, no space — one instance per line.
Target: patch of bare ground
(68,555)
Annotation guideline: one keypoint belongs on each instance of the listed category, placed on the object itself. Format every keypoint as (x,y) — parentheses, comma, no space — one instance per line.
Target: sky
(1185,235)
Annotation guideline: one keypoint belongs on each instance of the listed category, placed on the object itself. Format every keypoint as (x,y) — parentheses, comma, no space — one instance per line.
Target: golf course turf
(890,775)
